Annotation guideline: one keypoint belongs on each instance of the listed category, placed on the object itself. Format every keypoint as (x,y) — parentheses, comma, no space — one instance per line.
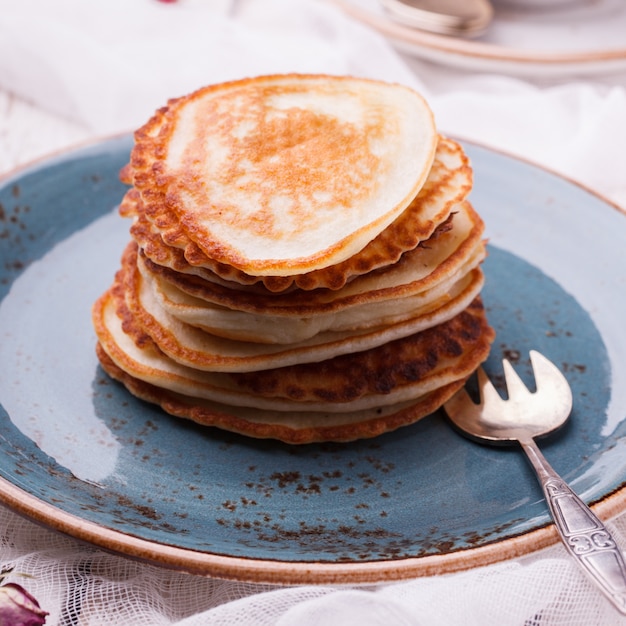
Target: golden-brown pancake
(196,348)
(419,283)
(397,371)
(303,262)
(447,184)
(401,377)
(289,427)
(282,175)
(418,270)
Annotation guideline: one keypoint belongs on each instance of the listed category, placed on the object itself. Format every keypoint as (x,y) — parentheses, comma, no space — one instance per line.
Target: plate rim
(275,571)
(270,571)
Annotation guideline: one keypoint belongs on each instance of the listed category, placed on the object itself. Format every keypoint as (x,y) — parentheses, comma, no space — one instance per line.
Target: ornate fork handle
(584,535)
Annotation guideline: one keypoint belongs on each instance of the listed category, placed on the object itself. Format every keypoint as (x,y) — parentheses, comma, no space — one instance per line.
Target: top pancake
(448,182)
(283,175)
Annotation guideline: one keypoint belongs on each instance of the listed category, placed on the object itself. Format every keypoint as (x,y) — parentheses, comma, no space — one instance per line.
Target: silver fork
(523,417)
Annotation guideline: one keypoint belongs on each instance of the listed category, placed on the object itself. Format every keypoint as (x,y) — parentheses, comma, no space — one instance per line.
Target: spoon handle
(586,538)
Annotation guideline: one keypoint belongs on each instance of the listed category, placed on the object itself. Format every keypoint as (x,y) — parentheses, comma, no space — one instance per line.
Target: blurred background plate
(587,37)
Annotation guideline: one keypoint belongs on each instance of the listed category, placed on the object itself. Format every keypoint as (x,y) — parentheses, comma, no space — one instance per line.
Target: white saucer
(584,38)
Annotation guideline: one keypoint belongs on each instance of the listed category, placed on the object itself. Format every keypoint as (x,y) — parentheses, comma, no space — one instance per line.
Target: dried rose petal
(19,608)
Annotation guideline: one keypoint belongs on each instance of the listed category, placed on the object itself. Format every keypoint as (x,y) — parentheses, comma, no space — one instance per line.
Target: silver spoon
(459,18)
(521,418)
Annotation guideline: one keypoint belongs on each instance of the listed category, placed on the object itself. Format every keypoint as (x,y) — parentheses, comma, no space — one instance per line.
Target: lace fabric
(82,585)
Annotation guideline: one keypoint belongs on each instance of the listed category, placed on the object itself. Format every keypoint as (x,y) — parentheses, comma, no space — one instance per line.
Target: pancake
(195,348)
(417,270)
(293,173)
(283,329)
(401,382)
(290,427)
(416,285)
(303,261)
(448,182)
(397,371)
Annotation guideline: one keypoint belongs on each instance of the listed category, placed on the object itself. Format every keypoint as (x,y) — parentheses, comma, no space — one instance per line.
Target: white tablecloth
(72,71)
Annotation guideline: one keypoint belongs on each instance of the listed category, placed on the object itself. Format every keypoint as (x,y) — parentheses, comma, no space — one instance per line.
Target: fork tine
(548,374)
(488,393)
(514,384)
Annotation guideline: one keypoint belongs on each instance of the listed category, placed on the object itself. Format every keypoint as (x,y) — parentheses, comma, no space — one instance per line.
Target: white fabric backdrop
(134,56)
(72,70)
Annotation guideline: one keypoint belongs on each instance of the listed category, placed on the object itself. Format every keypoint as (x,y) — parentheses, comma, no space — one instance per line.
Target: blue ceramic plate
(79,454)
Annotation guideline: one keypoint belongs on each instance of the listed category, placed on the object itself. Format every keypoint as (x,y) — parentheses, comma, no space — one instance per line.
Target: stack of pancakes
(303,263)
